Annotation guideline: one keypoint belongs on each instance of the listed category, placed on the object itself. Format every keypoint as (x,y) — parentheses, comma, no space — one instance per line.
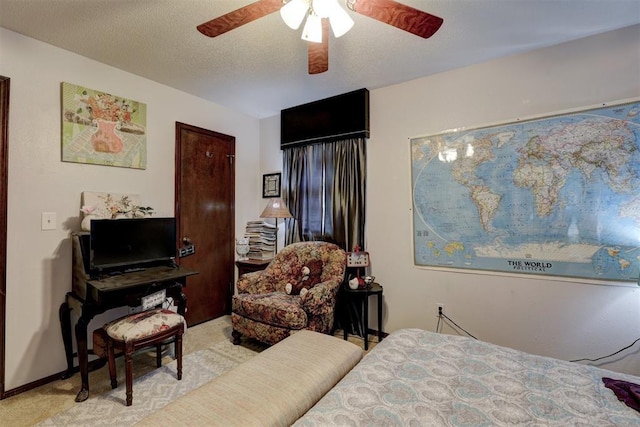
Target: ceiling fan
(387,11)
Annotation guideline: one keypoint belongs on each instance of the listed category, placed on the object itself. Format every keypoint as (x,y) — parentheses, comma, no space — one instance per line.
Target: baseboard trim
(93,365)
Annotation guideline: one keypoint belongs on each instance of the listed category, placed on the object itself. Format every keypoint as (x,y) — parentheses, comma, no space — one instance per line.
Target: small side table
(363,295)
(251,265)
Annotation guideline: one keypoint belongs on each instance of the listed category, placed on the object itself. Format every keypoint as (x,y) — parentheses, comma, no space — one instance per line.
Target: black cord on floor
(444,316)
(604,357)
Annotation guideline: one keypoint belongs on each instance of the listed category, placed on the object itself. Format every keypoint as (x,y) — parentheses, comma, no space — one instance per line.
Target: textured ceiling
(261,68)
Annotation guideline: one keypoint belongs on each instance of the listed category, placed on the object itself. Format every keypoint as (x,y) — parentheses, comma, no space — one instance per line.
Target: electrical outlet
(440,309)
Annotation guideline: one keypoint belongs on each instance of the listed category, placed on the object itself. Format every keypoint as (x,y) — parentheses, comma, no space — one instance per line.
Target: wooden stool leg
(112,363)
(158,355)
(128,357)
(178,349)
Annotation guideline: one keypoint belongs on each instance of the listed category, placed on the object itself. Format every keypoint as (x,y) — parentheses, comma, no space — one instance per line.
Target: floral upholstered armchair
(264,310)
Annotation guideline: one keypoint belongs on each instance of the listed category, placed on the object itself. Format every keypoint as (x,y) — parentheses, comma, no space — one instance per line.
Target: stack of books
(262,239)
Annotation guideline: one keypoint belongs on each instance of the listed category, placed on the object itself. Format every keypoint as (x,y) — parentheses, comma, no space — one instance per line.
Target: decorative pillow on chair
(311,276)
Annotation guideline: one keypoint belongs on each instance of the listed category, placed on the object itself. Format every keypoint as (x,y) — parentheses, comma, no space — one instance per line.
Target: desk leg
(65,326)
(182,304)
(83,358)
(365,322)
(379,317)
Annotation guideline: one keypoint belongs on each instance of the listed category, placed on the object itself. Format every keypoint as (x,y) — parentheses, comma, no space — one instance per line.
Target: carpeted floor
(38,405)
(152,391)
(208,352)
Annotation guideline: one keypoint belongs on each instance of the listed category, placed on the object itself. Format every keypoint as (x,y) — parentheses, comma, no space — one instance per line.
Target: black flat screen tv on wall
(340,117)
(131,243)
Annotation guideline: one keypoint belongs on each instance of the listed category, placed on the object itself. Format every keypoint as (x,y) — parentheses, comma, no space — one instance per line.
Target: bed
(419,378)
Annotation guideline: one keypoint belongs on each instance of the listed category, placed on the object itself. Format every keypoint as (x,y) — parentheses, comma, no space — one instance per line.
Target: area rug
(153,390)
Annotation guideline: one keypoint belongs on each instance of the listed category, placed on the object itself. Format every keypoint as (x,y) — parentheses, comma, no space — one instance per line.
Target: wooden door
(205,195)
(4,168)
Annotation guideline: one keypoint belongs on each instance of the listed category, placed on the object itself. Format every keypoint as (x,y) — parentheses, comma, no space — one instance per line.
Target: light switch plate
(49,220)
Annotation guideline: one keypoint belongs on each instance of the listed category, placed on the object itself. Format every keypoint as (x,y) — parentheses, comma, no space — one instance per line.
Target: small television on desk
(124,244)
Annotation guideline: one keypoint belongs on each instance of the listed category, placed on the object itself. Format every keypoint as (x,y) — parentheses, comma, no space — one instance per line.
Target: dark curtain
(324,186)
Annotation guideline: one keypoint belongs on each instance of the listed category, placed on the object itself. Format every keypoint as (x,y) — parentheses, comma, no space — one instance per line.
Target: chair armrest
(321,298)
(256,282)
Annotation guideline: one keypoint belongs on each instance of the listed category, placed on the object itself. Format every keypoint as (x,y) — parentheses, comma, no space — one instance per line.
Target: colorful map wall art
(557,195)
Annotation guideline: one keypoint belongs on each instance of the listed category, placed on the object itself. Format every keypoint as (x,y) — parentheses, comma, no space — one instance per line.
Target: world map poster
(556,195)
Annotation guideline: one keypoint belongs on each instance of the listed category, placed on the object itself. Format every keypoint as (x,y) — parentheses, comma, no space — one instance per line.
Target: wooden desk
(92,296)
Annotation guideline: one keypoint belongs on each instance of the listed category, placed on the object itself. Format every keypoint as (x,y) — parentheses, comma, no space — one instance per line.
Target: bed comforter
(419,378)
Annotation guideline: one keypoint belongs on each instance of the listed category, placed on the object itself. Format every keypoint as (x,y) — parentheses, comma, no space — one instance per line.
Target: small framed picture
(271,185)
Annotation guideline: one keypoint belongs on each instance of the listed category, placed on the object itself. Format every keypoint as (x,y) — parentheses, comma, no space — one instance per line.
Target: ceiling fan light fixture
(294,12)
(324,8)
(312,31)
(340,21)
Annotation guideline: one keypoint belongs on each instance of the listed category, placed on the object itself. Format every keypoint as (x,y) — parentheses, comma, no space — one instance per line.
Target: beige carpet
(207,347)
(151,391)
(38,405)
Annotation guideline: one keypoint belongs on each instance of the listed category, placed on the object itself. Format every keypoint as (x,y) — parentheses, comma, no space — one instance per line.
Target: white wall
(567,320)
(271,161)
(39,262)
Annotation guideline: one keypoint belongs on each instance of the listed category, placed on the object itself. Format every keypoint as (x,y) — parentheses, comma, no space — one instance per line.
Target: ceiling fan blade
(400,16)
(319,52)
(244,15)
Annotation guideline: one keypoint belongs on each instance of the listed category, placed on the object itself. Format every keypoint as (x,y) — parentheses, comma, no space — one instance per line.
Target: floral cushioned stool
(263,309)
(139,330)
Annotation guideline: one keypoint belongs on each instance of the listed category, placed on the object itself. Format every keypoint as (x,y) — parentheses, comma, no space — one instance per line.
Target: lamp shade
(293,13)
(340,21)
(312,31)
(276,208)
(324,8)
